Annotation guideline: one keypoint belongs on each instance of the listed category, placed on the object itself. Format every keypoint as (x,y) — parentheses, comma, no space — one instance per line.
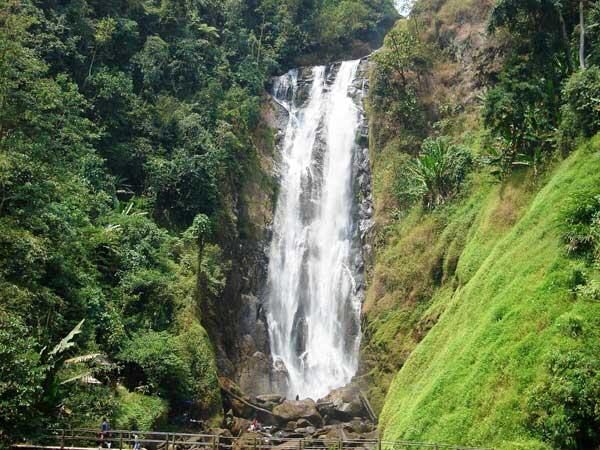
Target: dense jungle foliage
(126,127)
(482,313)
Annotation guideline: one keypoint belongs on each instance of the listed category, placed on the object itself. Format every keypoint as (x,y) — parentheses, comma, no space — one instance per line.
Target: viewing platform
(88,439)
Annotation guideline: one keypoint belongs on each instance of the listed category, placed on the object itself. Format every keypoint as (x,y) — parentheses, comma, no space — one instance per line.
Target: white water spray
(313,306)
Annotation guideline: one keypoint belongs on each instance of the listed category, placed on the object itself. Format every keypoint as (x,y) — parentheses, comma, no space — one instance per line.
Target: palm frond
(84,378)
(83,358)
(67,342)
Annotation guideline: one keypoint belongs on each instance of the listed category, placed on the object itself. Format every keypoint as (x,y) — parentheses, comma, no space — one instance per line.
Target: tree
(533,25)
(401,65)
(21,378)
(523,109)
(152,62)
(105,29)
(200,232)
(403,55)
(564,408)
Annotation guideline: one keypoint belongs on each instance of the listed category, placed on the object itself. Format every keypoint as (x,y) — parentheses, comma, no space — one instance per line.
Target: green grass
(498,317)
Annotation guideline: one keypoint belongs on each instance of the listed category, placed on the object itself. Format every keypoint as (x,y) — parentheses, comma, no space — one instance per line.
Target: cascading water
(313,304)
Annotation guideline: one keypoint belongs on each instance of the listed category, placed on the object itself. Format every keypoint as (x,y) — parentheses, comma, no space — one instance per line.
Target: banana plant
(57,359)
(439,170)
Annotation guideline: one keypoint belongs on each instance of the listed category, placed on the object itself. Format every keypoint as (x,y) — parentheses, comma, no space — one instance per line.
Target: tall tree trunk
(581,36)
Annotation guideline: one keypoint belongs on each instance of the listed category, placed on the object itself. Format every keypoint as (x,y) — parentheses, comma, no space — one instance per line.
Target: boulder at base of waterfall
(291,410)
(359,425)
(280,377)
(235,399)
(343,404)
(255,372)
(302,423)
(269,401)
(240,408)
(306,431)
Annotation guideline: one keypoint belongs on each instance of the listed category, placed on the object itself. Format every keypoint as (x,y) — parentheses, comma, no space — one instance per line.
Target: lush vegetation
(482,312)
(511,361)
(127,130)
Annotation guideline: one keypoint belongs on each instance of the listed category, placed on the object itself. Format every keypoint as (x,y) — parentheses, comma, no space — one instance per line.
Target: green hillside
(514,337)
(482,319)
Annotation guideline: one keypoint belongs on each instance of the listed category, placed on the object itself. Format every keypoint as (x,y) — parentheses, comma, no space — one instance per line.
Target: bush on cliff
(435,176)
(581,94)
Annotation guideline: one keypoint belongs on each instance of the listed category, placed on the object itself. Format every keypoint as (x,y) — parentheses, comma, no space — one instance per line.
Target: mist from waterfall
(313,309)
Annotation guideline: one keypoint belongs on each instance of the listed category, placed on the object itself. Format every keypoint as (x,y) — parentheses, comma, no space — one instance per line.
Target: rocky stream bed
(343,415)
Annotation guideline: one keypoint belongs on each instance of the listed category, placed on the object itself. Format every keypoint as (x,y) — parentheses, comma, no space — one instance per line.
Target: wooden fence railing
(85,439)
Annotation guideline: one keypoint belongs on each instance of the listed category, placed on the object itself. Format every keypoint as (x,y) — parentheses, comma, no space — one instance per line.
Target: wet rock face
(362,171)
(255,373)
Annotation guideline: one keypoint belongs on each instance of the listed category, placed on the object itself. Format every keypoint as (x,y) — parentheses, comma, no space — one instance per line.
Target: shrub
(520,113)
(139,412)
(565,408)
(582,98)
(436,174)
(580,224)
(153,359)
(568,130)
(405,189)
(198,353)
(82,406)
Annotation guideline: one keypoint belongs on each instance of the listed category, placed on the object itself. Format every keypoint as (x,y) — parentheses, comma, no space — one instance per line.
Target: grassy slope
(497,317)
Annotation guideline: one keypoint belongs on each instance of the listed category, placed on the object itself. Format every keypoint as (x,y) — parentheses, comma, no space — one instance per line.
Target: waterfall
(313,304)
(403,6)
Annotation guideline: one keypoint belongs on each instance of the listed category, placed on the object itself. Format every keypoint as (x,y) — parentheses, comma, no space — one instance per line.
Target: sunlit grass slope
(472,379)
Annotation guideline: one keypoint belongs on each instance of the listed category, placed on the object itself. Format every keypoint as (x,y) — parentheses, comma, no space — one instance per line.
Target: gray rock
(302,423)
(294,410)
(255,374)
(270,398)
(246,440)
(280,377)
(307,431)
(343,404)
(220,432)
(359,425)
